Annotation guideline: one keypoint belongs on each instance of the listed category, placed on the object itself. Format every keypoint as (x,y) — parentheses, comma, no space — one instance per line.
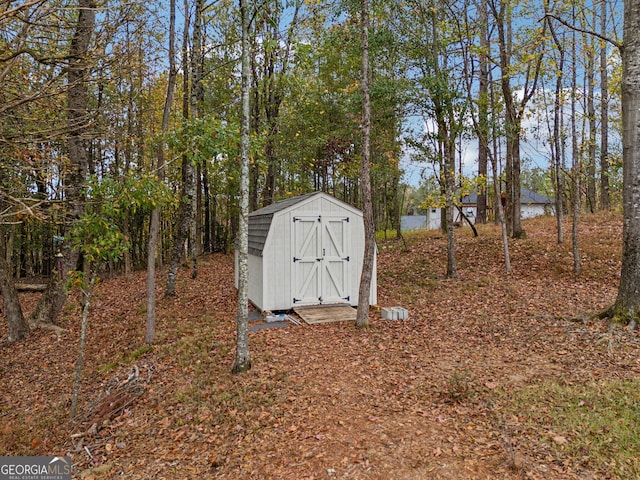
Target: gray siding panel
(259,226)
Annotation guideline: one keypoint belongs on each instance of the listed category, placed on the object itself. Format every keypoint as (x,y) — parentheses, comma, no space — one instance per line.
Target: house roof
(527,197)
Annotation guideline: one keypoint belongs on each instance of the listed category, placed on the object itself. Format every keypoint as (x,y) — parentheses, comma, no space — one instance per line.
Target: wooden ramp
(326,313)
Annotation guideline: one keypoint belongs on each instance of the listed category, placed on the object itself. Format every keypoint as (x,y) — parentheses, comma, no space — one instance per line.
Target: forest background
(444,75)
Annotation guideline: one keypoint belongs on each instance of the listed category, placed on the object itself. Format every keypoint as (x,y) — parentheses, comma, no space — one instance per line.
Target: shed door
(335,260)
(320,260)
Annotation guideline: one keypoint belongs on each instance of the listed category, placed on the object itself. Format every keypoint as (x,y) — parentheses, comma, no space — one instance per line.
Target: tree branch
(34,55)
(14,11)
(619,45)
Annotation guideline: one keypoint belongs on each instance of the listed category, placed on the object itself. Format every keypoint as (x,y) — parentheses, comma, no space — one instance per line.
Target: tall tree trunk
(449,187)
(128,150)
(556,147)
(242,361)
(591,116)
(511,127)
(154,228)
(396,202)
(276,66)
(627,306)
(18,327)
(498,208)
(186,208)
(269,191)
(364,291)
(604,115)
(126,231)
(516,185)
(446,138)
(185,229)
(199,213)
(483,111)
(207,208)
(197,99)
(254,181)
(271,98)
(576,158)
(54,297)
(499,211)
(503,20)
(254,167)
(514,112)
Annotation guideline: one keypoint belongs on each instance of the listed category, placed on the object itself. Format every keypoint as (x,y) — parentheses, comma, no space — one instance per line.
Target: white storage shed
(306,250)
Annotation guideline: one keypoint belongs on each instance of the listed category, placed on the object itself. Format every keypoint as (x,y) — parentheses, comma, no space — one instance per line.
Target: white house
(532,205)
(306,250)
(535,205)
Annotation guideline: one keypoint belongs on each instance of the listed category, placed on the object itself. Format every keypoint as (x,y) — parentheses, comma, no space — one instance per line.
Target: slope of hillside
(452,392)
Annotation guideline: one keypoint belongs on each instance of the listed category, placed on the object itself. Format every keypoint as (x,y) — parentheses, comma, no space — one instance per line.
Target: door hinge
(296,300)
(347,259)
(346,219)
(348,298)
(295,219)
(296,259)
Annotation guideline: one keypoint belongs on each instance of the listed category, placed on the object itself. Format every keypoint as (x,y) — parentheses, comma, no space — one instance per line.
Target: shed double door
(320,260)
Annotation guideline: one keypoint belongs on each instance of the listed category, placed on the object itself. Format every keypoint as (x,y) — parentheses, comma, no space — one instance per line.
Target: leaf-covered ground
(441,395)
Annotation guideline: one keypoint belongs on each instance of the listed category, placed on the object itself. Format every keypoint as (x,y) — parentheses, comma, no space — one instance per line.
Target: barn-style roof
(260,221)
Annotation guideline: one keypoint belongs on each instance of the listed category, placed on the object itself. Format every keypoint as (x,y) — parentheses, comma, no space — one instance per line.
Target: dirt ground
(424,398)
